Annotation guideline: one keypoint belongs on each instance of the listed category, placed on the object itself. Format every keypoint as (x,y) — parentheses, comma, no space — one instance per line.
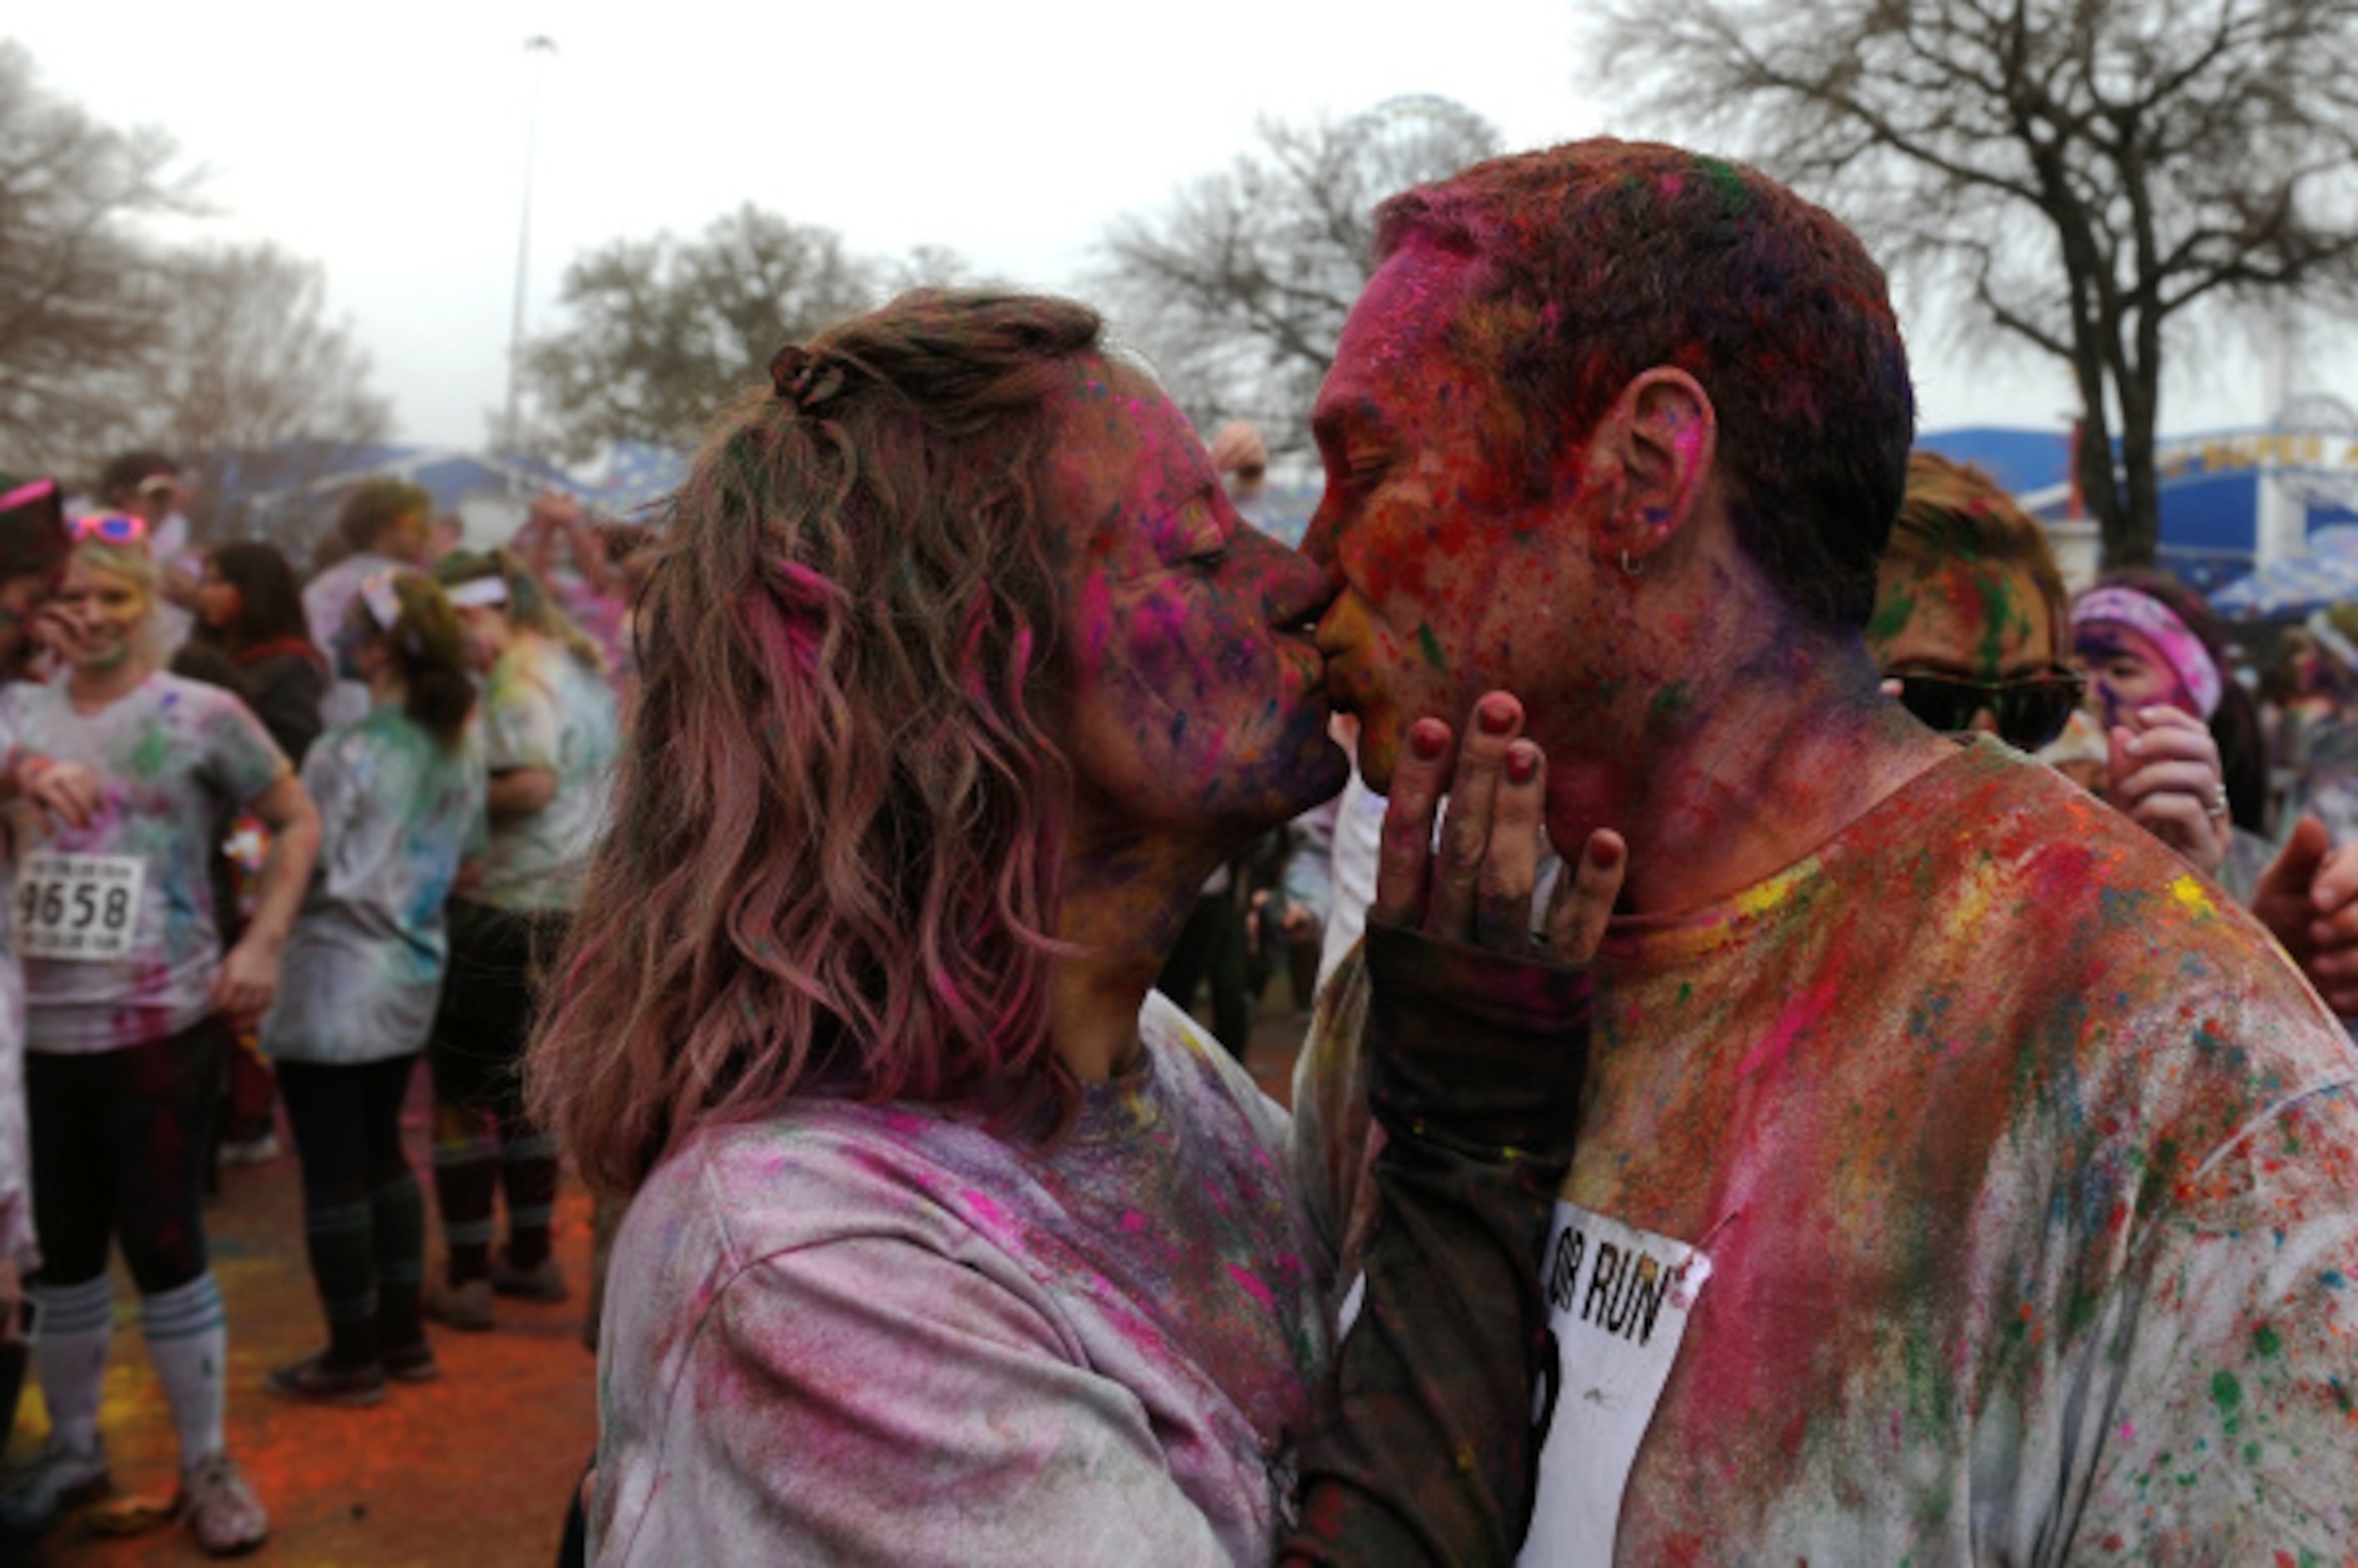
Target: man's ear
(1650,455)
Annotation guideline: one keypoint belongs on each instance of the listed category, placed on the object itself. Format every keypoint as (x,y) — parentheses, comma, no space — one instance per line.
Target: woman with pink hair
(948,1241)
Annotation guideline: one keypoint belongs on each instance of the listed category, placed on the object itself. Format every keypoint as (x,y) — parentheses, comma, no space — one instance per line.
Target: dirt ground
(471,1469)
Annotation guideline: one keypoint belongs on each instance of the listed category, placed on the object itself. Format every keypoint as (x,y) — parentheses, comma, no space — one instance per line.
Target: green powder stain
(1891,617)
(1430,647)
(1726,181)
(2251,1454)
(1999,612)
(1672,698)
(2228,1395)
(153,754)
(2267,1341)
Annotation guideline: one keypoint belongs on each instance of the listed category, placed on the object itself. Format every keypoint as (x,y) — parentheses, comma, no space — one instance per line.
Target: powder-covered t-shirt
(15,1143)
(363,967)
(2026,1169)
(884,1333)
(176,760)
(545,709)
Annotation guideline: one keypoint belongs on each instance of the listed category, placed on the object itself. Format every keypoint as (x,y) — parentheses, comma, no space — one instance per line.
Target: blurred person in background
(386,525)
(549,744)
(400,796)
(1969,624)
(571,557)
(250,607)
(129,1000)
(33,546)
(2156,660)
(150,486)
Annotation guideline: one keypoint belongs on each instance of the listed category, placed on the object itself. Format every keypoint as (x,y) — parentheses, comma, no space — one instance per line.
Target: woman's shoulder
(816,1172)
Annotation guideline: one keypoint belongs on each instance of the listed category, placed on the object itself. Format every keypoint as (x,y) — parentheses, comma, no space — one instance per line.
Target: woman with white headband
(2156,673)
(549,738)
(400,796)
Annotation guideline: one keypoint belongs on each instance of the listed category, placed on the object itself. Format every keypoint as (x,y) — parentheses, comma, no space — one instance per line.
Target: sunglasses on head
(112,528)
(2030,710)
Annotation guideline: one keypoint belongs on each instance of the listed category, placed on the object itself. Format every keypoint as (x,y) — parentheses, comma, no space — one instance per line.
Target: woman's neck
(1122,898)
(99,685)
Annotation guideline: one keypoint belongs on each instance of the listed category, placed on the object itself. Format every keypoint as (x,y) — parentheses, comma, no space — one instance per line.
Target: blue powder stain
(2331,1280)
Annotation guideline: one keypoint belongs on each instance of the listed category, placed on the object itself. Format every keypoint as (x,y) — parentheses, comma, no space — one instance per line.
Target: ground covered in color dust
(474,1468)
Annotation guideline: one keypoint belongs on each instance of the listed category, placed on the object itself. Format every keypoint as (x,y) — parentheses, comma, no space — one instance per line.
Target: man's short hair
(1954,511)
(377,504)
(124,473)
(1597,261)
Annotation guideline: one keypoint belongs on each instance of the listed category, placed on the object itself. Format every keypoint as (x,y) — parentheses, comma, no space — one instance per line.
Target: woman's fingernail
(1522,764)
(1428,741)
(1604,854)
(1496,715)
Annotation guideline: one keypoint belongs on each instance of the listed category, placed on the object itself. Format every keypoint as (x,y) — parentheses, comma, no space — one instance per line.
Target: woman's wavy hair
(838,824)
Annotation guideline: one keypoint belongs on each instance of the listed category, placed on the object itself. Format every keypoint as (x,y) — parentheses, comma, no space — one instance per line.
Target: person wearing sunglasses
(1970,624)
(1970,618)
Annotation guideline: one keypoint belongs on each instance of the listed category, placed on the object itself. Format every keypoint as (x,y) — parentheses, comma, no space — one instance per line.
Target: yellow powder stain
(2190,892)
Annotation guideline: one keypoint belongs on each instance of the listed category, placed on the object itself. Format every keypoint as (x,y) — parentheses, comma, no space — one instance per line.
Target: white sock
(187,1338)
(72,1326)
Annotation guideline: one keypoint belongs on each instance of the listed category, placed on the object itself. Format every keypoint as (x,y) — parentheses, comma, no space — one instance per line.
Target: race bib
(1618,1301)
(80,908)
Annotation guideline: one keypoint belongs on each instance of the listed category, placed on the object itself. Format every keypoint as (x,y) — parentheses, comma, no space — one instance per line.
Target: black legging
(121,1140)
(482,1139)
(347,1123)
(363,1215)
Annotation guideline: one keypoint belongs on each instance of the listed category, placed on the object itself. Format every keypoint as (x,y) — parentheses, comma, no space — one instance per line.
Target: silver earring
(1626,569)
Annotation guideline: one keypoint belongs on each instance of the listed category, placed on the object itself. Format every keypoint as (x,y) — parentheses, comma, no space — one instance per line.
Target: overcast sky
(388,142)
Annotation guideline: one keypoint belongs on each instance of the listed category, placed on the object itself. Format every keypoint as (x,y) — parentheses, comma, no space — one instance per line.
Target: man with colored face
(1959,1179)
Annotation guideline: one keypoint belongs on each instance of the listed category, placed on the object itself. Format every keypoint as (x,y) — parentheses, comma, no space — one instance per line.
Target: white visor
(480,593)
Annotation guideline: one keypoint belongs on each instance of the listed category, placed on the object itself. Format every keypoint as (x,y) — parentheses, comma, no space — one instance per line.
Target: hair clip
(804,378)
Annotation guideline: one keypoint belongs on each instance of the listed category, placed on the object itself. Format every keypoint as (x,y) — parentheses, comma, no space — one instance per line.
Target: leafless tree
(1239,286)
(2085,174)
(82,288)
(254,388)
(660,331)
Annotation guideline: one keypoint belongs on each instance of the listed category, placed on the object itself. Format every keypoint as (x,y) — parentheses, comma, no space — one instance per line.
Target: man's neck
(1756,768)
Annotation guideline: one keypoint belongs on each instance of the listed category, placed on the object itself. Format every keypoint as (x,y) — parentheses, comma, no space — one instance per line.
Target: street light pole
(511,433)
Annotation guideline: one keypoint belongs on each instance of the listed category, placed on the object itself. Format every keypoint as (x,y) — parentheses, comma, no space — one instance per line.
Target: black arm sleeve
(1423,1449)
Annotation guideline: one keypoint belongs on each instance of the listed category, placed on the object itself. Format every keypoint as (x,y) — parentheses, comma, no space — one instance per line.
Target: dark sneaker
(49,1483)
(412,1363)
(467,1307)
(545,1281)
(221,1508)
(316,1380)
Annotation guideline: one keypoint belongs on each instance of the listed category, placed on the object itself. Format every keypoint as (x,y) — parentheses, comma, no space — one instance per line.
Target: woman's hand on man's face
(1476,886)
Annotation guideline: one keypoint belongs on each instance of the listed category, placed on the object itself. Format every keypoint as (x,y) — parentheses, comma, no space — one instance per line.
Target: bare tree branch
(2087,170)
(1239,286)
